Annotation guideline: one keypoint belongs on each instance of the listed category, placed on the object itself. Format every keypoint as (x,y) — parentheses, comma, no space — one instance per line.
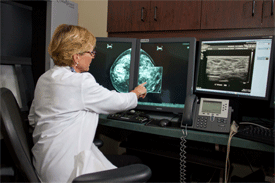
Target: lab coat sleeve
(98,99)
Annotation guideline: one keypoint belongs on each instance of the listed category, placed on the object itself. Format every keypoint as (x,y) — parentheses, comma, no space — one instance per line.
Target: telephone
(207,114)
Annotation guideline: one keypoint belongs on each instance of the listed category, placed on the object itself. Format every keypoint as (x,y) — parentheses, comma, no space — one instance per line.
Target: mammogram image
(226,68)
(120,72)
(149,73)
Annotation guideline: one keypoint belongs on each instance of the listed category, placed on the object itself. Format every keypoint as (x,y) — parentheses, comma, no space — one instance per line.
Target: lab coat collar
(64,67)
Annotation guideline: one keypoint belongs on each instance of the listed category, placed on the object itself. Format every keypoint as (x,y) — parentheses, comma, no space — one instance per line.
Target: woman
(65,109)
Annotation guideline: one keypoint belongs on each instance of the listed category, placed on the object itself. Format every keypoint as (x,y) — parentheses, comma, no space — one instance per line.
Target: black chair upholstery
(99,143)
(15,136)
(130,173)
(16,139)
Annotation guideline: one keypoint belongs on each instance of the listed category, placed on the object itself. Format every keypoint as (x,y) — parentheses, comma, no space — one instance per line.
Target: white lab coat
(64,113)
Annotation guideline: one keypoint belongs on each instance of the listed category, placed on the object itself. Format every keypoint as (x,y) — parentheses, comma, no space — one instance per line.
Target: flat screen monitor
(113,65)
(167,65)
(16,29)
(235,67)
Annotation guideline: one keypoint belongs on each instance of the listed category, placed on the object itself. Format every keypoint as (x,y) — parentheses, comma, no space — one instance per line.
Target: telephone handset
(207,114)
(187,115)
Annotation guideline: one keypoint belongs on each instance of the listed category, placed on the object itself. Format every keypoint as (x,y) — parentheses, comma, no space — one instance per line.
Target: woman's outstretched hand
(140,90)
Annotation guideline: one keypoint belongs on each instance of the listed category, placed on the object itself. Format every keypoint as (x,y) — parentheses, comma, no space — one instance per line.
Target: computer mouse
(164,122)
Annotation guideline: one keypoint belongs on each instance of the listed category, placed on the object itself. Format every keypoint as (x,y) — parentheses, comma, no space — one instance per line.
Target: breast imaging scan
(164,67)
(150,73)
(223,68)
(235,67)
(111,66)
(227,67)
(120,71)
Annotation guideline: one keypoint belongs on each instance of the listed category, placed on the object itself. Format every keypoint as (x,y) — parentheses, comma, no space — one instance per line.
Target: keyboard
(256,133)
(129,116)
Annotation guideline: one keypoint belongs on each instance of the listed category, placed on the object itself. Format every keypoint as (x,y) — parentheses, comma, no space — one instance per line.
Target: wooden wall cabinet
(119,16)
(237,14)
(132,15)
(268,19)
(175,15)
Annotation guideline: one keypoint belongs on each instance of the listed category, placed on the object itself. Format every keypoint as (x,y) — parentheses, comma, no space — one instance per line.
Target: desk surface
(195,135)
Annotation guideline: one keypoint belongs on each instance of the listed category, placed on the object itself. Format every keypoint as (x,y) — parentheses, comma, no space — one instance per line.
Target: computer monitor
(16,62)
(235,67)
(167,65)
(16,30)
(113,65)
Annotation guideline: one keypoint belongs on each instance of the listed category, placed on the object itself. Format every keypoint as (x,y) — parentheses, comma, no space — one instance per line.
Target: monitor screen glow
(237,67)
(167,65)
(114,63)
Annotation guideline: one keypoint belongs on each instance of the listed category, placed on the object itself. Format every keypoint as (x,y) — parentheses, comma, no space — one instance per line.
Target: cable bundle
(233,131)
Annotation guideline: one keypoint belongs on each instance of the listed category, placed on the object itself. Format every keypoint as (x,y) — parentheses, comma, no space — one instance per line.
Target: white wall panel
(59,12)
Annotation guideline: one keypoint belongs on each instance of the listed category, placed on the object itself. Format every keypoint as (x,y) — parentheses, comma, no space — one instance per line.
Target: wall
(59,12)
(92,14)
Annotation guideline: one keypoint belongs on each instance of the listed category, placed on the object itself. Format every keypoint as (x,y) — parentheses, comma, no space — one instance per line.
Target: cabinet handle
(155,15)
(253,8)
(142,14)
(272,7)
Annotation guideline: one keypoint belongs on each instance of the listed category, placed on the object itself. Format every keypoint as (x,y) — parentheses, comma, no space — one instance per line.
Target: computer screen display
(16,29)
(114,63)
(167,65)
(236,67)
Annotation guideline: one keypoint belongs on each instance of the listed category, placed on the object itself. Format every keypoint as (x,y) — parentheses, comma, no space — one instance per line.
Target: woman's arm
(101,100)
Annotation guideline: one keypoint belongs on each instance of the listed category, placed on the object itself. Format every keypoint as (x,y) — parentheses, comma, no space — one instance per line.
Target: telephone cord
(182,155)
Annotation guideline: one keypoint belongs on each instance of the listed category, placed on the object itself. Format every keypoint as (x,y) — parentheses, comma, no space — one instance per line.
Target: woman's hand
(140,90)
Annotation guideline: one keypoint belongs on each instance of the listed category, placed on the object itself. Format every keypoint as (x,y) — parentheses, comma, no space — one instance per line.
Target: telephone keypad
(201,122)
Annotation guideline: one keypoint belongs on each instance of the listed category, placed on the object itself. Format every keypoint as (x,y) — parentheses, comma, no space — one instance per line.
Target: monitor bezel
(269,79)
(272,95)
(133,53)
(190,71)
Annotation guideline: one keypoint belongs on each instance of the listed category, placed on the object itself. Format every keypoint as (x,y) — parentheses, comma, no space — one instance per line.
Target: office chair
(16,139)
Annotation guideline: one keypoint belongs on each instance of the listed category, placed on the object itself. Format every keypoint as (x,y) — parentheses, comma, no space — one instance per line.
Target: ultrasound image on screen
(164,67)
(239,67)
(111,66)
(225,68)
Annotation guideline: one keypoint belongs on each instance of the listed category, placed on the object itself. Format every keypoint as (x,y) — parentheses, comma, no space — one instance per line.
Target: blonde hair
(68,40)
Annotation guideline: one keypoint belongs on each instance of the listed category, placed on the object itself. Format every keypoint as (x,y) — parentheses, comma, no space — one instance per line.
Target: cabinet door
(231,14)
(134,15)
(119,16)
(140,15)
(175,15)
(268,13)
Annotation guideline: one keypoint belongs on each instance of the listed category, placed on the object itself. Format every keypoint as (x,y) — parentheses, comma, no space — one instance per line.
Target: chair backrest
(15,136)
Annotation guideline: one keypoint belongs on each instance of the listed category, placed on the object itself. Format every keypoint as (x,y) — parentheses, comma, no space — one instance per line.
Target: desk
(194,135)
